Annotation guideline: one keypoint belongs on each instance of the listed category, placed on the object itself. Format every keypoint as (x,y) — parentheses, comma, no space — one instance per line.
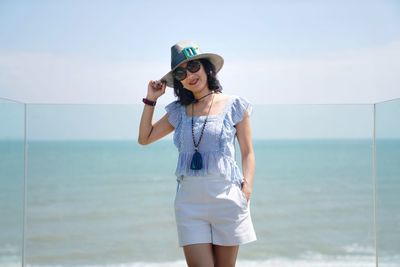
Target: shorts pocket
(178,189)
(242,197)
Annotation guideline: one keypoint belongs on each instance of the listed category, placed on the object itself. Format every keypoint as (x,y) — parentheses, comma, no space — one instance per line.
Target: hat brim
(215,59)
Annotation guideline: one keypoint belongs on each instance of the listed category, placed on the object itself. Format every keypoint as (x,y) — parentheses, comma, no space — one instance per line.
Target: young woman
(212,202)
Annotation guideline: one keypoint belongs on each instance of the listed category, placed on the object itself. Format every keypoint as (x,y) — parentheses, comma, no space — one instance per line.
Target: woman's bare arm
(243,131)
(149,132)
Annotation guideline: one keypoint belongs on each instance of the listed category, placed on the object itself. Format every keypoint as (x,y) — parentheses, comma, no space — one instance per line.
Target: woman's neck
(201,93)
(202,96)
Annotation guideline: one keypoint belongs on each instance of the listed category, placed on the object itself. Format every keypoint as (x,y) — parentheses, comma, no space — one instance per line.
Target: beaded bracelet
(149,102)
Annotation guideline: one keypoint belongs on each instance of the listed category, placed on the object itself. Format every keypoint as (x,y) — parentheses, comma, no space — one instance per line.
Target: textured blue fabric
(217,145)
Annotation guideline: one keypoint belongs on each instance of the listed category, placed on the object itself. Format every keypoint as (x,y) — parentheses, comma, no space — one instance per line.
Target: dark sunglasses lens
(193,66)
(179,74)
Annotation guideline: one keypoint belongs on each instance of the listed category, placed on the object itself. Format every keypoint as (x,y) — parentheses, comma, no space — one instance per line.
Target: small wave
(8,248)
(9,261)
(358,249)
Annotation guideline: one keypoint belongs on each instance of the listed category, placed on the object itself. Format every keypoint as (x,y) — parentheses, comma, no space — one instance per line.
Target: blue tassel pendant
(197,161)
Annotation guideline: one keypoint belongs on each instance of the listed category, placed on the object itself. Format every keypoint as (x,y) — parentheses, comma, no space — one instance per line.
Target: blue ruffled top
(217,145)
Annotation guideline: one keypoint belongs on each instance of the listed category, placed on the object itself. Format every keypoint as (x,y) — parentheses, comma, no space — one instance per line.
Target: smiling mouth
(194,82)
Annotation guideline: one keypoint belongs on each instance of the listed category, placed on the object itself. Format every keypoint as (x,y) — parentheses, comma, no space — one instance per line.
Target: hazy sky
(97,122)
(276,52)
(283,121)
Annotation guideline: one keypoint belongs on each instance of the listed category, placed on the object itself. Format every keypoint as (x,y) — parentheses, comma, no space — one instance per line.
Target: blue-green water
(111,203)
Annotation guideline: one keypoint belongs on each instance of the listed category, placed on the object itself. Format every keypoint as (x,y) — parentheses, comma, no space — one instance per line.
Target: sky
(312,68)
(276,52)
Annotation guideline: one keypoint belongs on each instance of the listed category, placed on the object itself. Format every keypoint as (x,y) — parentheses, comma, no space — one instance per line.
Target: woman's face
(194,82)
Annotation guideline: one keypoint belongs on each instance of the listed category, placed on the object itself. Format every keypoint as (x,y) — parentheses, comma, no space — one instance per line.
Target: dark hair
(185,96)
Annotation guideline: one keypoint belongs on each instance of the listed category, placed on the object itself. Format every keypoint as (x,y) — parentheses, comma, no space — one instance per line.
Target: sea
(109,203)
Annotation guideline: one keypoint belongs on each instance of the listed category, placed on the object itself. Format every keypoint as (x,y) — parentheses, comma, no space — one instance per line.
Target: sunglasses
(180,73)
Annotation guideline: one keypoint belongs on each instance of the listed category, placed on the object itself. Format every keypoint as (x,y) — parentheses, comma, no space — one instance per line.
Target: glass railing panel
(11,182)
(96,197)
(387,131)
(313,201)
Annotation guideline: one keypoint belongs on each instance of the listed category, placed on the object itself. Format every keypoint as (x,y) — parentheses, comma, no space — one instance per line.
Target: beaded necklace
(197,160)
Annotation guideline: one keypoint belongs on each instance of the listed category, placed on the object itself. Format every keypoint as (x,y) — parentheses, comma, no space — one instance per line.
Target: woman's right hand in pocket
(155,89)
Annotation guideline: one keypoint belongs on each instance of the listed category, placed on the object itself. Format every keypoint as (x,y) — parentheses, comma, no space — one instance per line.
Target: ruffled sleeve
(239,107)
(174,113)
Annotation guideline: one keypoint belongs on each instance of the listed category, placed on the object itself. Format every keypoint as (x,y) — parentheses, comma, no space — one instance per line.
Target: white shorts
(212,209)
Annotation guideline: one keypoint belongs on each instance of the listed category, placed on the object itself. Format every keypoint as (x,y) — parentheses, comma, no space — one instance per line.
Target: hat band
(183,55)
(189,52)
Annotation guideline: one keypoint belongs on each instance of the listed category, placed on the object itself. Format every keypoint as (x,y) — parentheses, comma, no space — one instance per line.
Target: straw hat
(185,51)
